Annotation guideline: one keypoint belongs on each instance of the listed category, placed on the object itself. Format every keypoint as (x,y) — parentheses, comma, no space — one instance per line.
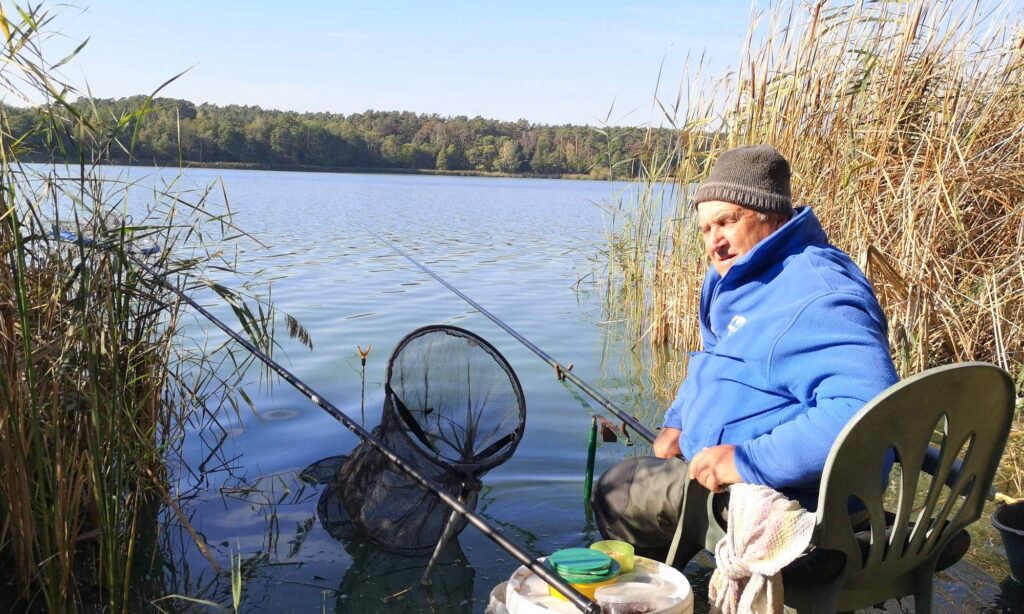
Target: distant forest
(178,130)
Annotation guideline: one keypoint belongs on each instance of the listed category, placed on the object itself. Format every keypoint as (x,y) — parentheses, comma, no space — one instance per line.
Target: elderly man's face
(730,231)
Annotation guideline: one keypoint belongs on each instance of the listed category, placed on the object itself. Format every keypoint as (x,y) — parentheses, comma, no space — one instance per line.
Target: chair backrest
(966,411)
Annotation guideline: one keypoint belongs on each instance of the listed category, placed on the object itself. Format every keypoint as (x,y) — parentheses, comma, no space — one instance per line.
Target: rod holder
(588,479)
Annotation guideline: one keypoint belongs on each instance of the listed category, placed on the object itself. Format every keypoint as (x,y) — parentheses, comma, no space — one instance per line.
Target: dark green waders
(653,504)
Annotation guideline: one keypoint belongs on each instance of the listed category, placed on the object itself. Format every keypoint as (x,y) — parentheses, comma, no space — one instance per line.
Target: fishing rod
(561,370)
(574,596)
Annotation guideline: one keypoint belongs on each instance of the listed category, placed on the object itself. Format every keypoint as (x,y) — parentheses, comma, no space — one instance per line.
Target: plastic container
(657,582)
(580,562)
(589,589)
(1009,520)
(585,569)
(620,551)
(628,598)
(526,593)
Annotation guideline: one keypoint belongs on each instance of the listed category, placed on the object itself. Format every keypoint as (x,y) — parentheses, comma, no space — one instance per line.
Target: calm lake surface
(528,250)
(523,248)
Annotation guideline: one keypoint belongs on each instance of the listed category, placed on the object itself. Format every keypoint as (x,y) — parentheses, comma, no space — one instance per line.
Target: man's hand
(715,467)
(666,445)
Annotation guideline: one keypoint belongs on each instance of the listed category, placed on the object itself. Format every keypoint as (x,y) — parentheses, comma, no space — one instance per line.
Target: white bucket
(496,603)
(527,593)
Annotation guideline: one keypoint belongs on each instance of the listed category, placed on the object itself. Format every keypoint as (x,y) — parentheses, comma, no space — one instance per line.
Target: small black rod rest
(577,599)
(605,402)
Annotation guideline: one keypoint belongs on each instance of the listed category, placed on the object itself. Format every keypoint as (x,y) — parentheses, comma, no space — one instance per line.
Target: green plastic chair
(944,430)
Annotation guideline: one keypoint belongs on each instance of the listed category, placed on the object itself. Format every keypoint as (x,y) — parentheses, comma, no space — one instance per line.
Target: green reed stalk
(96,386)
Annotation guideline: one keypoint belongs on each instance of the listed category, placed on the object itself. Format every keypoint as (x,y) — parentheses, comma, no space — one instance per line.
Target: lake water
(526,249)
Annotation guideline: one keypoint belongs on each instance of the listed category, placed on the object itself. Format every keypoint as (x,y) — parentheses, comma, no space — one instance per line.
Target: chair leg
(923,591)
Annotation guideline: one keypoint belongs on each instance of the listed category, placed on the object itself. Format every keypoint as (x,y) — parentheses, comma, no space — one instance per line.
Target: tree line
(169,131)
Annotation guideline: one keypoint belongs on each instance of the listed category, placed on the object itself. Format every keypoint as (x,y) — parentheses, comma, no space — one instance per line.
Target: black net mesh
(456,397)
(453,410)
(385,575)
(371,500)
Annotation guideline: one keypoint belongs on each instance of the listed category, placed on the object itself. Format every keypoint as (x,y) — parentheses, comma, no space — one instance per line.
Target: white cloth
(766,532)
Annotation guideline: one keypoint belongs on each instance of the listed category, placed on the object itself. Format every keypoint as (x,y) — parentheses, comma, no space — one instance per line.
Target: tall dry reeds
(903,122)
(96,386)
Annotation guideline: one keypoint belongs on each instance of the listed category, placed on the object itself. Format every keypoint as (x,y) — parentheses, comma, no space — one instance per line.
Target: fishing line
(574,596)
(561,369)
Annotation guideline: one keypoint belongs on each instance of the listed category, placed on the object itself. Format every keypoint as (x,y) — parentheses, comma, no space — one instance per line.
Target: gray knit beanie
(755,177)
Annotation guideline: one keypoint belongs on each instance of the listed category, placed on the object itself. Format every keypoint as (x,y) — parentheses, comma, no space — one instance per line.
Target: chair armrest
(931,464)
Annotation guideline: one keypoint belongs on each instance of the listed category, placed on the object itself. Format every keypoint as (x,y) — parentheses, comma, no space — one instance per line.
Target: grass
(97,384)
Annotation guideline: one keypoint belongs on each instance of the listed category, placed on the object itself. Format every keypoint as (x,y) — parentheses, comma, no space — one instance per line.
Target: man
(794,345)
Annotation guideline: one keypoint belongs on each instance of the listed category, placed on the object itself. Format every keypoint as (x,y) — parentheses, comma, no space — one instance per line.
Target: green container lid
(583,565)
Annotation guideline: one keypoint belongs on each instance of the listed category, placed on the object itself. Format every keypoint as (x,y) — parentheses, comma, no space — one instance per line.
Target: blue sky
(547,62)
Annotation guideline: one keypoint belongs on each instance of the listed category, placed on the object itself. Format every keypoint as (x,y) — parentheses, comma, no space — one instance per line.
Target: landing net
(453,409)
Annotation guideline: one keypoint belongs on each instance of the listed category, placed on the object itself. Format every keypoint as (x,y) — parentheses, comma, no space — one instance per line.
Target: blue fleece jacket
(794,345)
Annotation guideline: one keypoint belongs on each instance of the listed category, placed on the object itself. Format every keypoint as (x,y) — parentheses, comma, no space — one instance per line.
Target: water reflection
(384,581)
(380,578)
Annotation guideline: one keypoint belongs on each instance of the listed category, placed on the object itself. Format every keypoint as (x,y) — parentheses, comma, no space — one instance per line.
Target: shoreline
(312,168)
